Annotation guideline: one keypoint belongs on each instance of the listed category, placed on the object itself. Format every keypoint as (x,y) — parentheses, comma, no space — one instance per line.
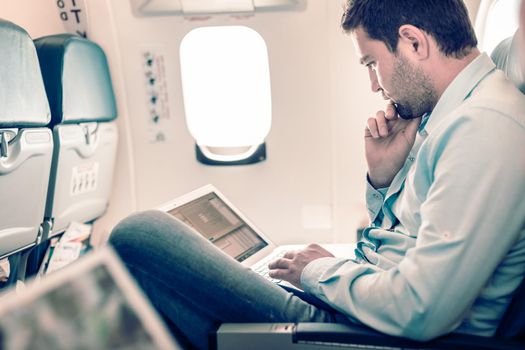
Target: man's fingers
(367,131)
(391,112)
(378,127)
(278,274)
(382,123)
(289,254)
(372,127)
(281,263)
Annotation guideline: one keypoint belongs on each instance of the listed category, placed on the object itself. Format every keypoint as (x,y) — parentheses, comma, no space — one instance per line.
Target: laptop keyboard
(262,266)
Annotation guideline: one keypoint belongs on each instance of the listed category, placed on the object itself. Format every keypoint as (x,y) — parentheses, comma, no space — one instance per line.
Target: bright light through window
(226,86)
(501,22)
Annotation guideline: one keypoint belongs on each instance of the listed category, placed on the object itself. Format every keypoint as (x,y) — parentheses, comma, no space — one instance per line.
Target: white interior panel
(321,99)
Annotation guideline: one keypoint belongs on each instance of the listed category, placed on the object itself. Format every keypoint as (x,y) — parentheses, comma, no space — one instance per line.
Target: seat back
(83,109)
(26,145)
(506,56)
(512,325)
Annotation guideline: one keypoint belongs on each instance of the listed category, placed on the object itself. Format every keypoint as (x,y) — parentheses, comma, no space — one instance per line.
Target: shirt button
(411,158)
(376,196)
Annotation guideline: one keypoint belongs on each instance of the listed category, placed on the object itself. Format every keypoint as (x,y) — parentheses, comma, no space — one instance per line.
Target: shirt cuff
(313,272)
(374,200)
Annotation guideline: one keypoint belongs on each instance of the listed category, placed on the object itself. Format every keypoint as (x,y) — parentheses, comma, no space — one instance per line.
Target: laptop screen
(210,216)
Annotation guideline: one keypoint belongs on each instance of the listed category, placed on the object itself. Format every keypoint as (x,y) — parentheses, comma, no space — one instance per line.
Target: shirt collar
(458,90)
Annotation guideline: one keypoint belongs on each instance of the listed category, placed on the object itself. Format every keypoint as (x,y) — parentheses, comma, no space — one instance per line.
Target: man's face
(398,79)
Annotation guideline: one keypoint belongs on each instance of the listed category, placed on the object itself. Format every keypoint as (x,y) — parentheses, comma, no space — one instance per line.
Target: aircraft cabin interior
(253,110)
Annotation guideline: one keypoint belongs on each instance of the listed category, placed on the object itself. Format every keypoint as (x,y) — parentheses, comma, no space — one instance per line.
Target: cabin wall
(310,188)
(289,196)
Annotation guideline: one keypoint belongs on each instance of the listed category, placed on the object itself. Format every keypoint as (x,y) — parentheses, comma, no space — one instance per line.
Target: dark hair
(446,21)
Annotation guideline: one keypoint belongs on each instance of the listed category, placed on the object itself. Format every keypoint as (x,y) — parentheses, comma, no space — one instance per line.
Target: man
(446,248)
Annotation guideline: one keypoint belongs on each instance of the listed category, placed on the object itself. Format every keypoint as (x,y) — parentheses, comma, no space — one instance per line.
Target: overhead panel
(198,7)
(157,7)
(213,6)
(276,4)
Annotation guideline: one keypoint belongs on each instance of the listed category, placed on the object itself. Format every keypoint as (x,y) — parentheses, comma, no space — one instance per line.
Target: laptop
(213,216)
(90,304)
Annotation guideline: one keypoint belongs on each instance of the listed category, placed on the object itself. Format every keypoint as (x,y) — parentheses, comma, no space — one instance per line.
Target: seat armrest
(361,335)
(321,336)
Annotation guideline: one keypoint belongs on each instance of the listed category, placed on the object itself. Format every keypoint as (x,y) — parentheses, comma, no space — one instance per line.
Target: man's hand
(388,140)
(291,265)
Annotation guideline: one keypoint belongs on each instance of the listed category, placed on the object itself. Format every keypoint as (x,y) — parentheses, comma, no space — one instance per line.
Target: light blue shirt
(446,248)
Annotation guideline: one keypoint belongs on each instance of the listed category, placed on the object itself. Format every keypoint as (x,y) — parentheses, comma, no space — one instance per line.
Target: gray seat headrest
(506,57)
(77,79)
(23,100)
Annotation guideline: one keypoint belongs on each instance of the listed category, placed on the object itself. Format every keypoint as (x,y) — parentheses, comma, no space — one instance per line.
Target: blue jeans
(196,287)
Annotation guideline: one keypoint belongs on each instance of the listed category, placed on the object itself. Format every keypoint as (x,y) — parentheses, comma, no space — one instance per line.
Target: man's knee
(134,225)
(139,231)
(147,232)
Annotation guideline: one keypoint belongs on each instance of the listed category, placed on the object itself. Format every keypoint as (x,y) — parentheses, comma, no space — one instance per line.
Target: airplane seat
(26,144)
(506,57)
(83,111)
(510,333)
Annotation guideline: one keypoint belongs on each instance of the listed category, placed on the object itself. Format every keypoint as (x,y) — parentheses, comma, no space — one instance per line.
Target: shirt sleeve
(374,202)
(471,217)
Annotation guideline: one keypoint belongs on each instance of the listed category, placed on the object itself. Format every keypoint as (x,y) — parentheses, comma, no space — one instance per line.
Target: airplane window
(226,89)
(497,20)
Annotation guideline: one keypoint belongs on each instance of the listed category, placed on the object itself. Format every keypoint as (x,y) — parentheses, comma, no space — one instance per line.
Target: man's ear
(414,41)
